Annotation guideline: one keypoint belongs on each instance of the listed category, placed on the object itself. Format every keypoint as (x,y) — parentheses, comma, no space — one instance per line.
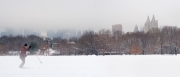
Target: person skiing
(23,54)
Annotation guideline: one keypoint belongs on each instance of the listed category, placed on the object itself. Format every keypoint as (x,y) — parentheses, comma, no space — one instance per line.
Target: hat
(25,44)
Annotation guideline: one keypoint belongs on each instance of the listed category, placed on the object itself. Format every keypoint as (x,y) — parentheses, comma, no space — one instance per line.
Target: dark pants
(22,57)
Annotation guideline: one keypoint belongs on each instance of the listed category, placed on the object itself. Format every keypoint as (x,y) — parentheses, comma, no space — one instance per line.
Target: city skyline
(31,31)
(80,14)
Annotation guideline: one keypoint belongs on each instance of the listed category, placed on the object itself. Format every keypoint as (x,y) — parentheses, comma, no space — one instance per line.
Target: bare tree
(172,33)
(86,42)
(102,40)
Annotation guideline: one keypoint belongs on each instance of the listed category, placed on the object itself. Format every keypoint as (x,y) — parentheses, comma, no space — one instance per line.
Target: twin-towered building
(150,24)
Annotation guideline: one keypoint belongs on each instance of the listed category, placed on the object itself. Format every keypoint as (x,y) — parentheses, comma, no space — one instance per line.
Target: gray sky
(86,14)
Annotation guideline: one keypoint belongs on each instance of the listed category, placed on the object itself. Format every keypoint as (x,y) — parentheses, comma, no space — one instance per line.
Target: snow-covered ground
(92,66)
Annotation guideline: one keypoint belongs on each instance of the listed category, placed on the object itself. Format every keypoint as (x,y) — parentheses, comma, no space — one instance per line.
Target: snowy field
(92,66)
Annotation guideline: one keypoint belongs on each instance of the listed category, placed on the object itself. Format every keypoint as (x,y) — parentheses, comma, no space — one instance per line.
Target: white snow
(92,66)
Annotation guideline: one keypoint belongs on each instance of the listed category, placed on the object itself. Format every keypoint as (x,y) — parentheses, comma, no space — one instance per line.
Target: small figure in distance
(23,55)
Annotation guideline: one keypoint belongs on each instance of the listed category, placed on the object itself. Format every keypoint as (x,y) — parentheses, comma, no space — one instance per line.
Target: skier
(23,54)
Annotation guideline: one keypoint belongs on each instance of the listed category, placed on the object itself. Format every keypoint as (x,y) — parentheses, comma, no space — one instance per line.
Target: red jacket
(23,50)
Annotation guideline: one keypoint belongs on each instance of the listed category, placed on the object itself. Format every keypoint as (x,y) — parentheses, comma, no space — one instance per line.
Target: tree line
(165,40)
(14,43)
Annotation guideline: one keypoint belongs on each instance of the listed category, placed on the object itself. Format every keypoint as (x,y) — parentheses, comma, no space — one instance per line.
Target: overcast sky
(86,14)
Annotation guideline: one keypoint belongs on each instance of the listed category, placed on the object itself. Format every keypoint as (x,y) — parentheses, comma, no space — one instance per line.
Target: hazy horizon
(86,14)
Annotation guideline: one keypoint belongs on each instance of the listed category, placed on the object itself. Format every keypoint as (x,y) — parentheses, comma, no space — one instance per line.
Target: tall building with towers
(150,24)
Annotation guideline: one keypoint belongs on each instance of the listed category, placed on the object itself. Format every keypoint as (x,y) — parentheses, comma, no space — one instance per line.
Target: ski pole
(38,58)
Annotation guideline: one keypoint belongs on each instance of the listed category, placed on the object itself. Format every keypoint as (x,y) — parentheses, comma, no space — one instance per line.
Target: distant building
(44,35)
(136,29)
(150,24)
(116,29)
